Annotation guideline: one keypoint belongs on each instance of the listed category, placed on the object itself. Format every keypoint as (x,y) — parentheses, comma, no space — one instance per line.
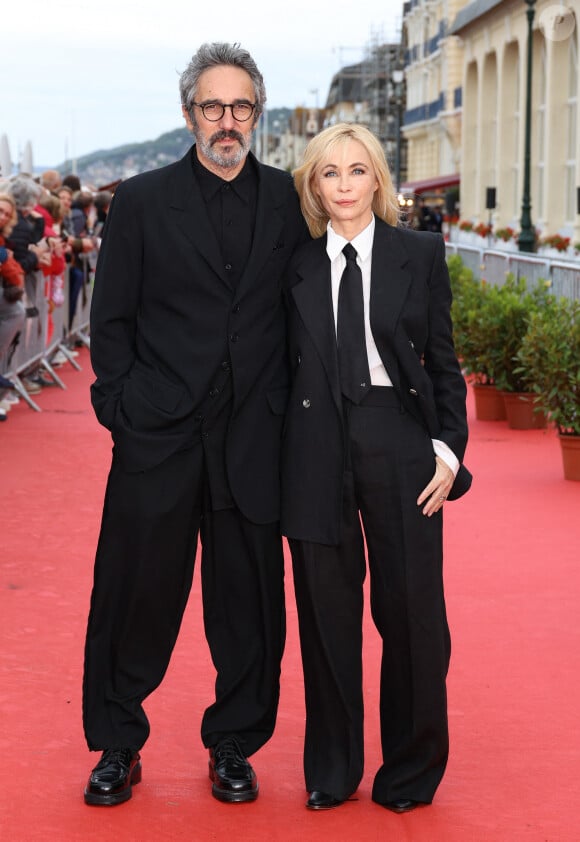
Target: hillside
(108,165)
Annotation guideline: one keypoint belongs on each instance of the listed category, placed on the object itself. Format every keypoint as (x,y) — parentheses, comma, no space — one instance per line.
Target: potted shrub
(549,360)
(482,230)
(506,239)
(465,232)
(554,245)
(470,339)
(505,234)
(506,313)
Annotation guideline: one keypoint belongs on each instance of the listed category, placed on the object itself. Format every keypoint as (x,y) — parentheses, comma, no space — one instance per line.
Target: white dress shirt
(363,243)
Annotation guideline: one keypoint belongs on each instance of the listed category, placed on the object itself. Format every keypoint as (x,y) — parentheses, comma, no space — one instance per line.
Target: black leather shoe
(322,801)
(232,776)
(402,805)
(112,778)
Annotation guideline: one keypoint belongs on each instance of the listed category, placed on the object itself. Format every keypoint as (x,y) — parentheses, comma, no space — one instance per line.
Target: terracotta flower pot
(519,408)
(570,447)
(489,405)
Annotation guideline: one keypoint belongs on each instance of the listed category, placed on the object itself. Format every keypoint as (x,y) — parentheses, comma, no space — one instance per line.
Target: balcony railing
(427,111)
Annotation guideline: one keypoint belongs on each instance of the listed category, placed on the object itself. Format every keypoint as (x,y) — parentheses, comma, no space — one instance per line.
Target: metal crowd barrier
(32,348)
(494,265)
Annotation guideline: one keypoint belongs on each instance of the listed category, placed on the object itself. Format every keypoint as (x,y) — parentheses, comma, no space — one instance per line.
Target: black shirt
(231,208)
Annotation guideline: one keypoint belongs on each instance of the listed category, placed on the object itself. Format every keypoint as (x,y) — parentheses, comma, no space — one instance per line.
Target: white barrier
(494,265)
(32,347)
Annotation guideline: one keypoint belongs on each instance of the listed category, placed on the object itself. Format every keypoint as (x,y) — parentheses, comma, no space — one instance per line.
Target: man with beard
(188,348)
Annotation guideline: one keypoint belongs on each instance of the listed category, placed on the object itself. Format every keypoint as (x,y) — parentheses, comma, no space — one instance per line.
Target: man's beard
(226,160)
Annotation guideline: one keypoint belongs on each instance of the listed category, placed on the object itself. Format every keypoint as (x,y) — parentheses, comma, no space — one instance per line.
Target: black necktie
(353,364)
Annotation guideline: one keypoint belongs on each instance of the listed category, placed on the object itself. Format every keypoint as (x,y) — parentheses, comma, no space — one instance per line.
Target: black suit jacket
(410,302)
(165,319)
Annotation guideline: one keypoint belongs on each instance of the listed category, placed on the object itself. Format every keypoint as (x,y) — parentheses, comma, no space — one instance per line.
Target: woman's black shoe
(322,801)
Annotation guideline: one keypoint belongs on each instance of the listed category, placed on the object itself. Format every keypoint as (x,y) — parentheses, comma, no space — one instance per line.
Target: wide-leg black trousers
(390,461)
(143,575)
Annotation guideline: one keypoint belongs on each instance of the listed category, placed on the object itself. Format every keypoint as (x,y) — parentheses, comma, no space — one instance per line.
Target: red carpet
(513,586)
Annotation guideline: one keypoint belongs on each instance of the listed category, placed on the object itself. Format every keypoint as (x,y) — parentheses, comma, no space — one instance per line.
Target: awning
(426,184)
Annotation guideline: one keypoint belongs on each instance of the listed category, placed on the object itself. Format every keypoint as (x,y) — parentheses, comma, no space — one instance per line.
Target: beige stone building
(434,74)
(493,37)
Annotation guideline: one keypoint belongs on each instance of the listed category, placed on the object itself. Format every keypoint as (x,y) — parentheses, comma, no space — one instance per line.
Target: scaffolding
(372,92)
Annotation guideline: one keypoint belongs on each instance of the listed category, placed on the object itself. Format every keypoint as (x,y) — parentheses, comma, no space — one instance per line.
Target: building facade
(494,37)
(434,71)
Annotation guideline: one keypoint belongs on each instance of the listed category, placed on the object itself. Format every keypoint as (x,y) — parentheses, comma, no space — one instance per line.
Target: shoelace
(117,755)
(229,750)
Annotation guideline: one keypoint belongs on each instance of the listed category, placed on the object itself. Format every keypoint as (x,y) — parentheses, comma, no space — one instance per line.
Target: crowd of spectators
(427,217)
(49,237)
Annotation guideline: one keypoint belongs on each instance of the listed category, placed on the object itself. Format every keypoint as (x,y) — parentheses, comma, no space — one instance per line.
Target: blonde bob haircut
(384,205)
(7,230)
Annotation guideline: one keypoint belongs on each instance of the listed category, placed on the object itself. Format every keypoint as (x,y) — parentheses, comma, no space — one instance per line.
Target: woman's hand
(435,493)
(42,252)
(56,247)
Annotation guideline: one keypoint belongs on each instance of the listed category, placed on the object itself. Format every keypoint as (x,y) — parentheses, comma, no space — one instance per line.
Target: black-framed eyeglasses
(214,111)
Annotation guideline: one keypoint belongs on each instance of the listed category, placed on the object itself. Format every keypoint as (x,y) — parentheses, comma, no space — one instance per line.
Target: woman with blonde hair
(384,200)
(374,439)
(12,313)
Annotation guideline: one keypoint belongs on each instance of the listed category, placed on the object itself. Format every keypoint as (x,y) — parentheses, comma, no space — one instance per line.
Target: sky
(81,76)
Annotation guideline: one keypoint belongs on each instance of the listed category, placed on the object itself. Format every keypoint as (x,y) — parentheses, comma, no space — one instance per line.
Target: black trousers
(143,575)
(390,461)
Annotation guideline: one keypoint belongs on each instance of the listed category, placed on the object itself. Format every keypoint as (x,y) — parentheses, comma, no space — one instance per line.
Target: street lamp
(397,77)
(527,238)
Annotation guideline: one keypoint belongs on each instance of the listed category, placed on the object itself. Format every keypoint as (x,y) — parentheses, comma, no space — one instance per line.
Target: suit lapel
(313,299)
(267,230)
(188,208)
(390,282)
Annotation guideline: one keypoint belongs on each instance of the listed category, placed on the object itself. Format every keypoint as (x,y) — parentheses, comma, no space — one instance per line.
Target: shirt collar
(363,242)
(211,183)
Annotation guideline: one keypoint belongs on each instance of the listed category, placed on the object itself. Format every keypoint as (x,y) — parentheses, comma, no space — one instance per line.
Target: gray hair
(214,55)
(25,191)
(103,199)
